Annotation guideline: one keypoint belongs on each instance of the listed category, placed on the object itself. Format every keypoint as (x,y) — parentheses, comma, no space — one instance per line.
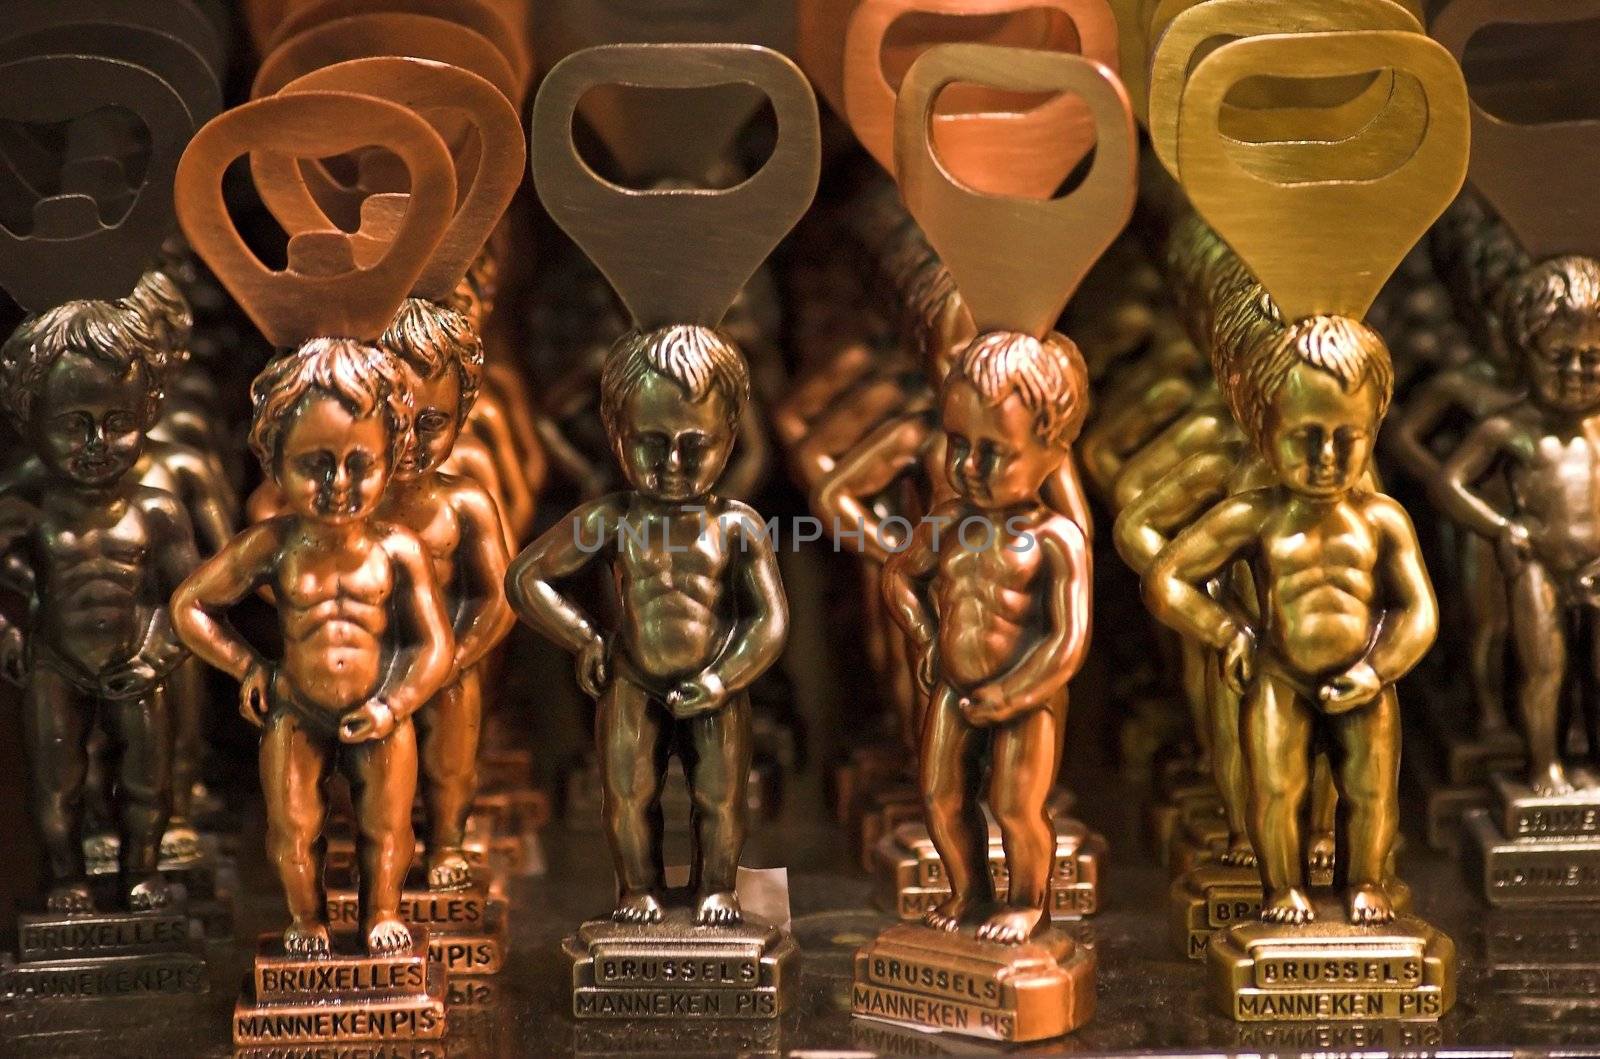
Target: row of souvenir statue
(1222,373)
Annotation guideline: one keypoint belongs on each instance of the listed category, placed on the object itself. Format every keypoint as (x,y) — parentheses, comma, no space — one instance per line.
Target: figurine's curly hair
(1347,349)
(111,333)
(698,359)
(430,338)
(1565,289)
(363,378)
(159,299)
(1048,376)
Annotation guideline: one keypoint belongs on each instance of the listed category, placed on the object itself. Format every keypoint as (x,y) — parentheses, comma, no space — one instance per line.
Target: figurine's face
(438,422)
(673,448)
(333,466)
(1320,437)
(994,457)
(89,419)
(1564,368)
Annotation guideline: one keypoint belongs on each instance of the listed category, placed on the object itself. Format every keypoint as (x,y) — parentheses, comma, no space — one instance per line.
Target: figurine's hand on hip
(1239,660)
(371,720)
(14,656)
(928,666)
(1355,687)
(594,667)
(986,706)
(1515,545)
(704,694)
(254,693)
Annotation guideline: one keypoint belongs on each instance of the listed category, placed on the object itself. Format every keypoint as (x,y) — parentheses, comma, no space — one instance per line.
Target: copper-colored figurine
(105,552)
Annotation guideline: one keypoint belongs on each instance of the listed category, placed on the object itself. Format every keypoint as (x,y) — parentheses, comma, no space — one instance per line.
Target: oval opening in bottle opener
(1193,33)
(1026,153)
(1322,245)
(677,256)
(322,293)
(492,21)
(70,253)
(1538,176)
(1016,261)
(431,89)
(372,36)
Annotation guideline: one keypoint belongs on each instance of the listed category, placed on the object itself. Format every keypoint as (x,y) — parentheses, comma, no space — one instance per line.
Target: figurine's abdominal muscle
(672,626)
(332,651)
(96,620)
(1326,626)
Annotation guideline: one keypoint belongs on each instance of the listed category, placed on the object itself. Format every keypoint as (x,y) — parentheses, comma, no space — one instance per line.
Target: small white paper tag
(763,892)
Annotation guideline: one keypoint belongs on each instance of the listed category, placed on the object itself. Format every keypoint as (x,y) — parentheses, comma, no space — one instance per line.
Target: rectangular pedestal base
(1534,872)
(1330,971)
(105,954)
(341,998)
(467,929)
(1215,897)
(676,970)
(929,979)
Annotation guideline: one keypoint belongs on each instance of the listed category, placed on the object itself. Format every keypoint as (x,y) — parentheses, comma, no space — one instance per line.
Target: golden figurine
(996,666)
(702,611)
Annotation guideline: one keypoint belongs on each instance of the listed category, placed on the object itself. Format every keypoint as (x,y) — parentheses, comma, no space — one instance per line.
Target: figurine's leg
(1277,739)
(1322,847)
(185,690)
(1539,634)
(294,766)
(143,732)
(1193,657)
(951,768)
(716,762)
(383,784)
(56,719)
(1486,612)
(448,728)
(1589,682)
(632,737)
(1026,754)
(1366,741)
(1227,763)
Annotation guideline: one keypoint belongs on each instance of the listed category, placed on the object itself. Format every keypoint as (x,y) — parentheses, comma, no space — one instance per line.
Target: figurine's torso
(983,591)
(1554,480)
(671,565)
(94,596)
(1319,562)
(333,604)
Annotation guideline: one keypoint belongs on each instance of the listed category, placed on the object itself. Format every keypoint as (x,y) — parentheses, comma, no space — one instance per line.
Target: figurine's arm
(808,397)
(1063,493)
(572,464)
(425,661)
(905,580)
(264,503)
(1195,432)
(1410,610)
(1124,428)
(1174,586)
(244,564)
(1056,657)
(484,617)
(1426,407)
(1142,528)
(174,558)
(209,499)
(560,552)
(489,424)
(869,468)
(470,459)
(762,628)
(1478,454)
(17,519)
(518,406)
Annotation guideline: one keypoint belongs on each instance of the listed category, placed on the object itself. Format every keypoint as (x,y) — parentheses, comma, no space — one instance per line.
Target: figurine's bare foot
(1290,906)
(149,894)
(387,936)
(1319,858)
(69,897)
(947,914)
(638,908)
(448,870)
(308,939)
(1369,906)
(181,842)
(1551,782)
(1011,926)
(719,909)
(1239,853)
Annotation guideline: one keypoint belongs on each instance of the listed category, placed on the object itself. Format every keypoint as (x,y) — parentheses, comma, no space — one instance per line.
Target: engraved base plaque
(1330,971)
(1213,897)
(105,954)
(209,876)
(467,930)
(909,877)
(1164,815)
(677,970)
(1450,764)
(1545,957)
(1537,851)
(343,998)
(929,979)
(887,808)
